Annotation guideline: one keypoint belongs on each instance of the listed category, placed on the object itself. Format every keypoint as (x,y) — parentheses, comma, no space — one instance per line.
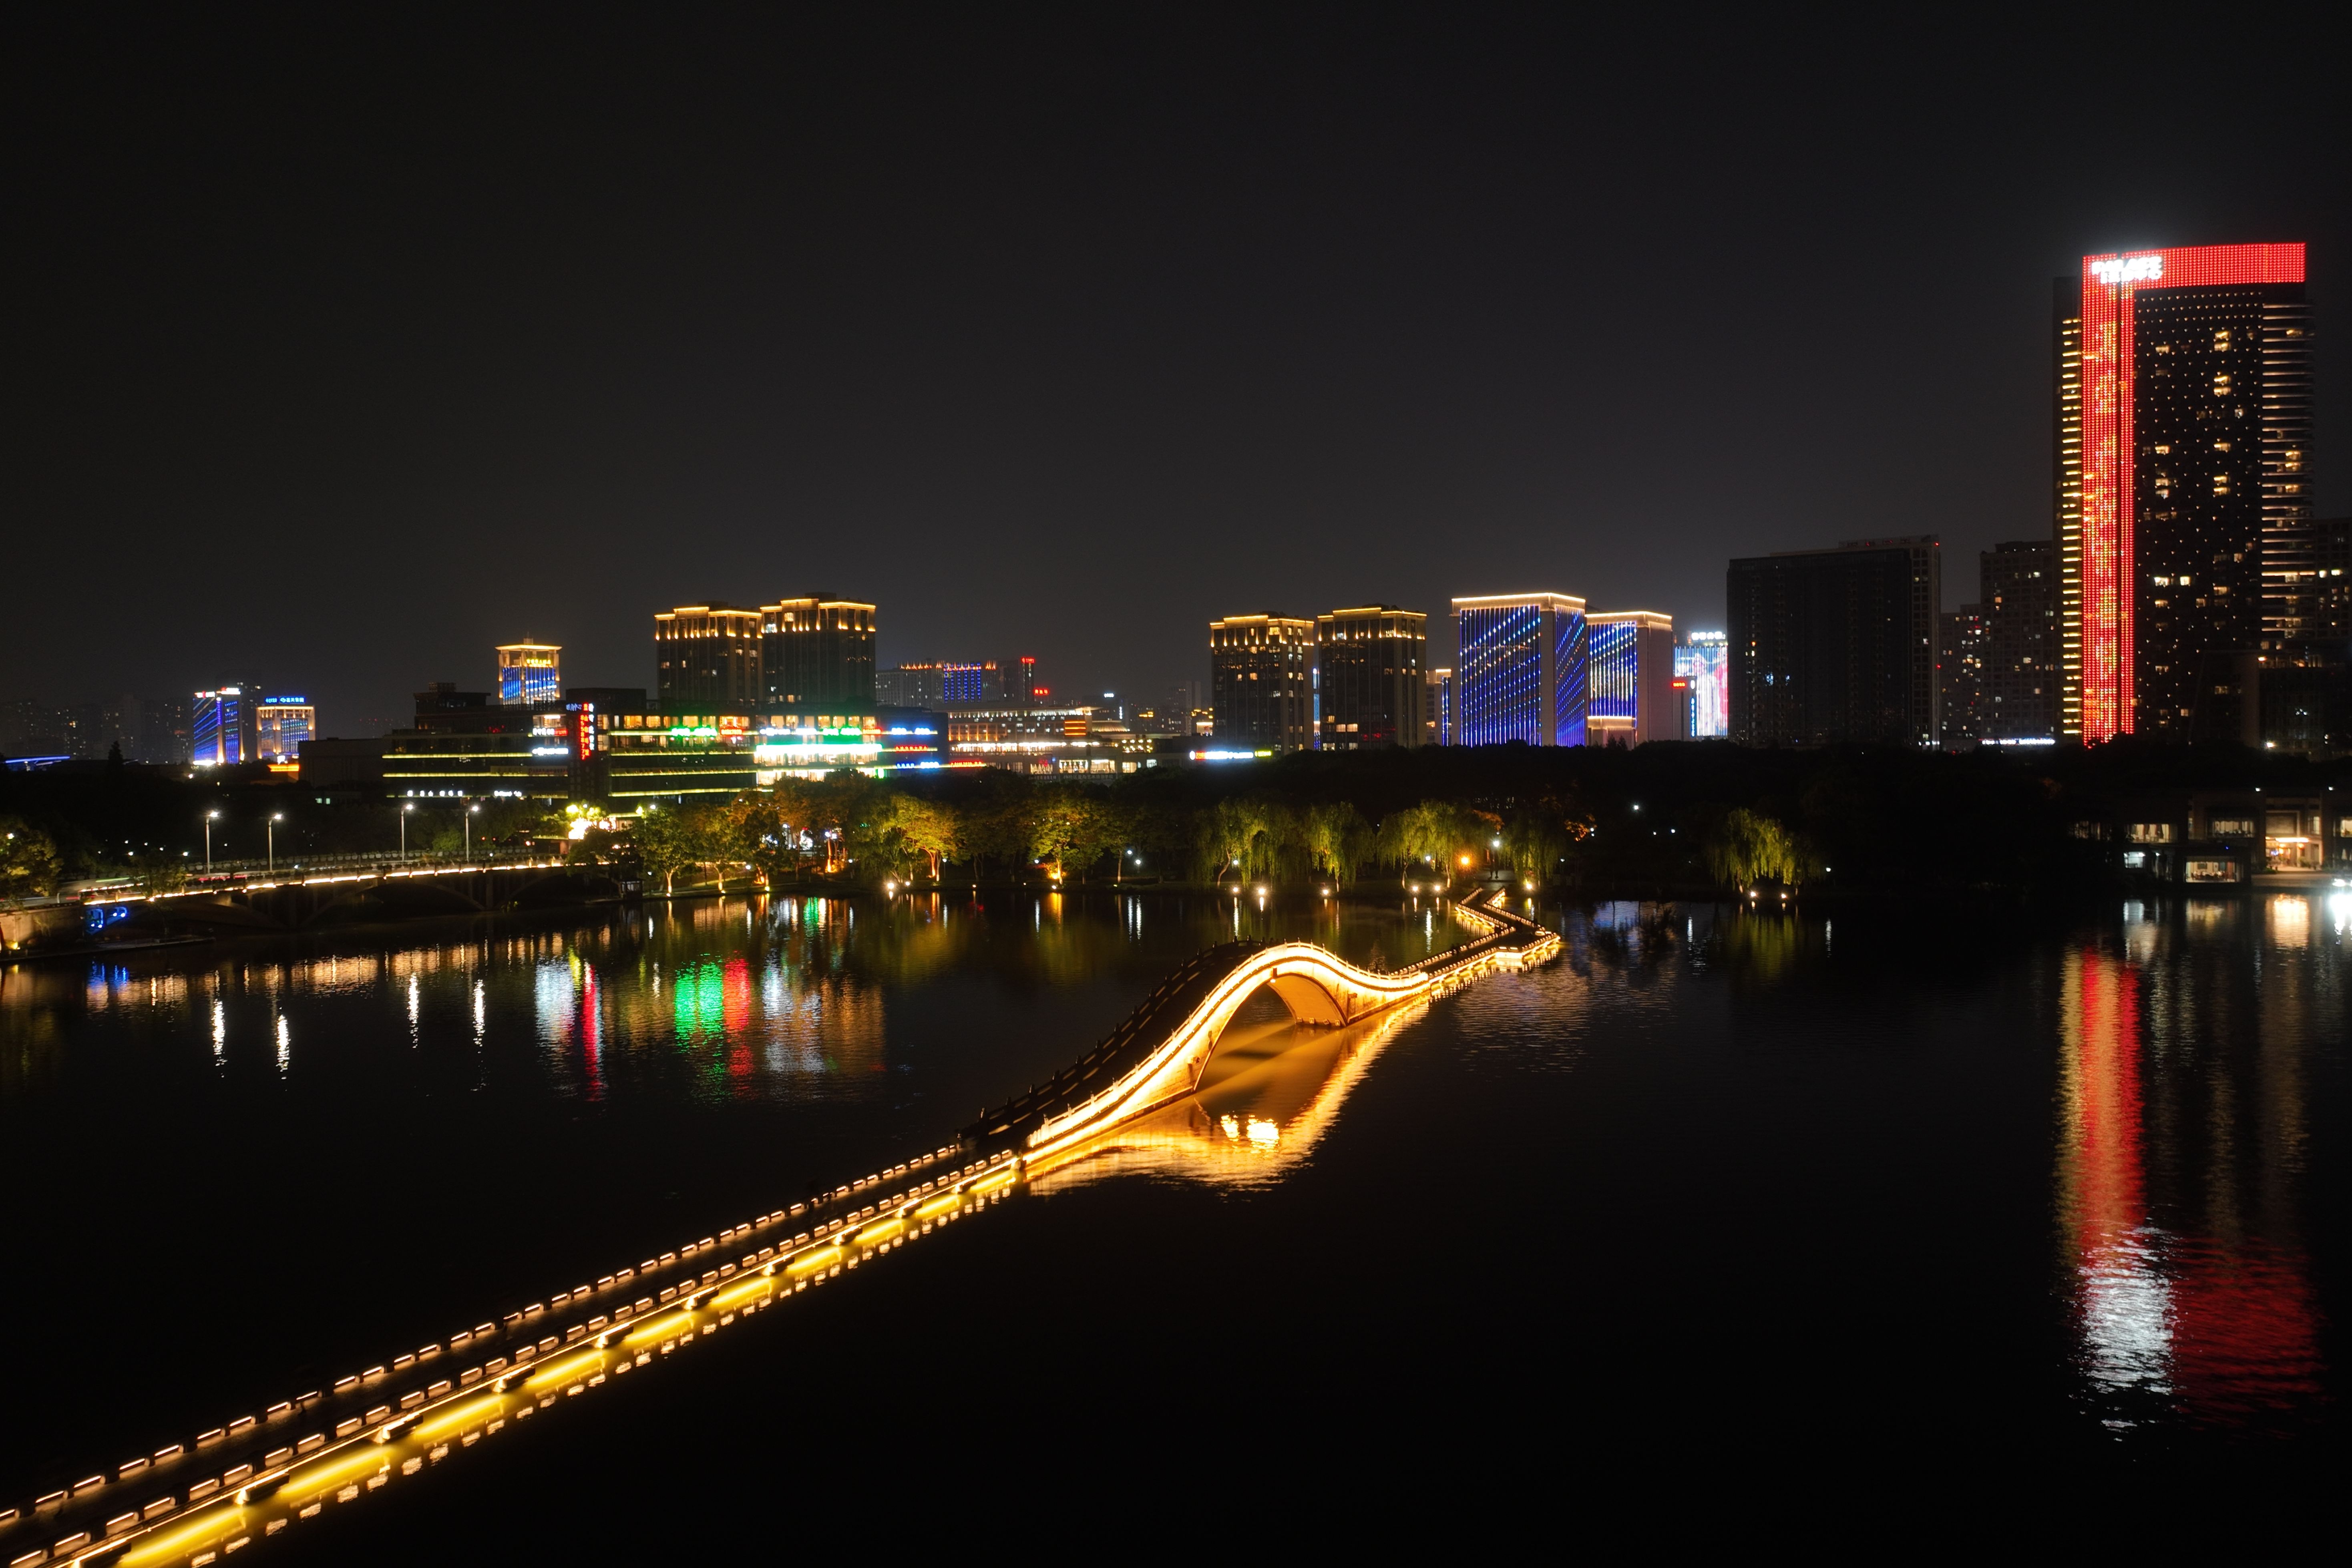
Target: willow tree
(1748,848)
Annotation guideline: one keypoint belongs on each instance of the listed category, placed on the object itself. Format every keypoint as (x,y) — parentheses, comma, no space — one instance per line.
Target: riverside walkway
(232,1484)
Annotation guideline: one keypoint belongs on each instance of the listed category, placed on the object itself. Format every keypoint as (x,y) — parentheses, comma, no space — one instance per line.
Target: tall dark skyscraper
(1260,681)
(816,655)
(1832,646)
(1367,676)
(707,659)
(2183,411)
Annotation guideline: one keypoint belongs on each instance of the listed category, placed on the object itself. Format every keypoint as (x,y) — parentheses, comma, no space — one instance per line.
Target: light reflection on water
(2183,1136)
(2169,1163)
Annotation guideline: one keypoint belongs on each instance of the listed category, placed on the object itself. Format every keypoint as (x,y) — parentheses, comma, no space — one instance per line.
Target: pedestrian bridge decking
(1157,1054)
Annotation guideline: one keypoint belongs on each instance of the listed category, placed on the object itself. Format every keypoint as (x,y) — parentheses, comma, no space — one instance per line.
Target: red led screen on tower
(2110,283)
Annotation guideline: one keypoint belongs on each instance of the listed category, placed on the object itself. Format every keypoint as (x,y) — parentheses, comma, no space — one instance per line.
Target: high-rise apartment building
(280,725)
(1960,674)
(1629,660)
(530,672)
(2017,589)
(817,655)
(1261,682)
(162,730)
(222,732)
(1368,678)
(2183,382)
(1519,669)
(1704,660)
(707,659)
(1835,646)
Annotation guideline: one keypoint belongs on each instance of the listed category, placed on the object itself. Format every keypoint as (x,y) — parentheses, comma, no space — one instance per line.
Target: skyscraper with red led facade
(2183,383)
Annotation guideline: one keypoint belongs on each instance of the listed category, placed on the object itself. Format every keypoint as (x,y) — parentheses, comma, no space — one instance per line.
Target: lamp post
(469,833)
(275,818)
(406,808)
(208,841)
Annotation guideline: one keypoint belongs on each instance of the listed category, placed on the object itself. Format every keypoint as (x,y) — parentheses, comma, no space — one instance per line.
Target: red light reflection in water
(735,1015)
(2219,1332)
(592,1030)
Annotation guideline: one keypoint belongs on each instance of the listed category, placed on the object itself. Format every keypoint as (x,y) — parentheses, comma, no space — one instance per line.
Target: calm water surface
(1916,1178)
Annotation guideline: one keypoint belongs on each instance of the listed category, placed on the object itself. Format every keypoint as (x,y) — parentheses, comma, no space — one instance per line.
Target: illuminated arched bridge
(1158,1055)
(191,1502)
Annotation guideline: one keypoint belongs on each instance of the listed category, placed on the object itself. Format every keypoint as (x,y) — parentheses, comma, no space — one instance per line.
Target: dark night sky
(335,356)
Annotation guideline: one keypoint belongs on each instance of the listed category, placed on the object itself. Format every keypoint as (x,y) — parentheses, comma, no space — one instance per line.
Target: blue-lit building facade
(1703,661)
(1519,670)
(222,727)
(1631,657)
(530,673)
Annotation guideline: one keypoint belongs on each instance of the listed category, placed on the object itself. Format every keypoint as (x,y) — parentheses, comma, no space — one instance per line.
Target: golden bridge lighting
(360,1444)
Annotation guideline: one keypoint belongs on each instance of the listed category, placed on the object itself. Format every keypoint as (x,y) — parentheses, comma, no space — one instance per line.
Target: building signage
(2128,269)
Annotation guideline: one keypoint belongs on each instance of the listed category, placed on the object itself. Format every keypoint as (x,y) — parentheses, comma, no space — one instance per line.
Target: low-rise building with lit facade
(1368,678)
(1519,669)
(1261,682)
(2221,839)
(1630,661)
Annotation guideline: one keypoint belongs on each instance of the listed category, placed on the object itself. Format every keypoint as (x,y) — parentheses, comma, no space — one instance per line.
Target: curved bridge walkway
(192,1502)
(1158,1055)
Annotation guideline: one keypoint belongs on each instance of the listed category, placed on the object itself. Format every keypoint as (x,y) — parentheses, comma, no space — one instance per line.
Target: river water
(1927,1179)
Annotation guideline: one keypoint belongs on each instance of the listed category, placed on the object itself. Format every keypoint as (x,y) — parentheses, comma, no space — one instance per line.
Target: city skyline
(1010,365)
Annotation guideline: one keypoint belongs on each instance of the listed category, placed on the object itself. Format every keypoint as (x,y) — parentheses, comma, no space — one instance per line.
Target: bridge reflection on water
(1253,1093)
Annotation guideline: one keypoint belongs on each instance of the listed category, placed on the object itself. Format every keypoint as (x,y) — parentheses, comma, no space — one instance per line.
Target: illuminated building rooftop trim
(1570,602)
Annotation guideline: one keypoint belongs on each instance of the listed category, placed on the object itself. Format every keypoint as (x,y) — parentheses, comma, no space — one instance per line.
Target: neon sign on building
(2101,544)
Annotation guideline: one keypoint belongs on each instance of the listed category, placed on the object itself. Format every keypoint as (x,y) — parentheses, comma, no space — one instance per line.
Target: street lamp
(208,841)
(404,810)
(275,818)
(469,833)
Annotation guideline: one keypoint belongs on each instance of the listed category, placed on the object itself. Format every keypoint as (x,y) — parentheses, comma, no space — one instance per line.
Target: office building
(1703,661)
(530,672)
(1437,708)
(1519,669)
(1960,674)
(707,659)
(922,685)
(1631,697)
(222,728)
(1261,682)
(2182,383)
(1836,646)
(2017,592)
(817,655)
(281,726)
(1368,678)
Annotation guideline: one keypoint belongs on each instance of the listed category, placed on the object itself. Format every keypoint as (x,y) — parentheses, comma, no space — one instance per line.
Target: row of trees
(1077,832)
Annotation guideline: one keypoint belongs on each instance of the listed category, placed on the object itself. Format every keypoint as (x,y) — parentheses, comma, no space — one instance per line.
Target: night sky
(335,356)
